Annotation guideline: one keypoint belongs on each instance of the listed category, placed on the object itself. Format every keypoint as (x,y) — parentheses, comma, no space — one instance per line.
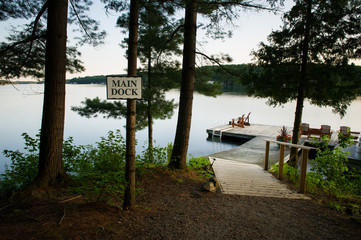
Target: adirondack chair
(246,120)
(305,127)
(325,130)
(346,131)
(239,122)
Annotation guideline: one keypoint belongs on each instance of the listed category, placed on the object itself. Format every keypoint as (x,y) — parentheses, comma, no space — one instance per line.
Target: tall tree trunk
(150,116)
(51,167)
(301,85)
(180,148)
(129,195)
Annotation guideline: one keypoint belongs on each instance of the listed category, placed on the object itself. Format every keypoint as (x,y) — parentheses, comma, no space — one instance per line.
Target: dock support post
(266,157)
(280,163)
(303,170)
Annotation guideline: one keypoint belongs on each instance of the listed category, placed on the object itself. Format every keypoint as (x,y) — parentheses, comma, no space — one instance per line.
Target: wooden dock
(254,149)
(240,170)
(255,130)
(248,132)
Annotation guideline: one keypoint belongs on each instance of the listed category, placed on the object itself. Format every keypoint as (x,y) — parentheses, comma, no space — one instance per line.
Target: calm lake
(21,110)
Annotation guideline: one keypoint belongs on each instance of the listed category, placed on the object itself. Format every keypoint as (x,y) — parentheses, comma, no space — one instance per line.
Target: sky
(251,29)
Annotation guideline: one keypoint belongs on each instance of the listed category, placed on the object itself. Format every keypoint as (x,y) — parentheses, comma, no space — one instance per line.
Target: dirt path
(172,207)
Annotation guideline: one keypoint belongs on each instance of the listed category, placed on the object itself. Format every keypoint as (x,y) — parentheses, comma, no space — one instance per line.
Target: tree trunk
(301,86)
(129,195)
(150,116)
(180,148)
(51,167)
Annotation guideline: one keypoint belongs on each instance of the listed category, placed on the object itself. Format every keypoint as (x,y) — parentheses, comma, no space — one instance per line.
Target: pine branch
(82,25)
(170,39)
(245,5)
(218,63)
(36,21)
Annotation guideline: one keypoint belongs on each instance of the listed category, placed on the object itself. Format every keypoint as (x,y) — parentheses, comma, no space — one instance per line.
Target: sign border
(123,98)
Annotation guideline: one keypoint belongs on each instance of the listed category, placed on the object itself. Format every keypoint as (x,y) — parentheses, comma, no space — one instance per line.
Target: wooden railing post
(266,157)
(305,152)
(303,170)
(280,163)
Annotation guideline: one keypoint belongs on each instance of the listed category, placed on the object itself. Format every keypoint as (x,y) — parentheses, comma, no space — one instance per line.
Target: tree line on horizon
(231,78)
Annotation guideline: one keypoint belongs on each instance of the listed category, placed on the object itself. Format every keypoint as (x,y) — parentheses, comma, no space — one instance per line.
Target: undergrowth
(330,180)
(98,170)
(202,166)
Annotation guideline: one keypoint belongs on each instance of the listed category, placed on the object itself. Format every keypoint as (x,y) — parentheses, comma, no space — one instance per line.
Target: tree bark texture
(150,116)
(149,107)
(129,195)
(301,85)
(181,141)
(51,167)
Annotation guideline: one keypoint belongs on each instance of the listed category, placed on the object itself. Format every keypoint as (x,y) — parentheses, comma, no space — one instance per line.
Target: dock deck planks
(251,180)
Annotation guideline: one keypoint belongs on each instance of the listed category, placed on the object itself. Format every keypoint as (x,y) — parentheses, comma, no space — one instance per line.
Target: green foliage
(202,166)
(331,180)
(23,167)
(100,79)
(330,172)
(332,41)
(156,156)
(23,52)
(329,169)
(344,140)
(290,172)
(160,109)
(98,171)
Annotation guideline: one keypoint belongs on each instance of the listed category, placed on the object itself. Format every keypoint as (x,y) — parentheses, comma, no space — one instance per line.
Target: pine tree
(310,58)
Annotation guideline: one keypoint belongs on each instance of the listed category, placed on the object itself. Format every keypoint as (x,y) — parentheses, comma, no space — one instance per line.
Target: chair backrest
(325,129)
(345,130)
(305,127)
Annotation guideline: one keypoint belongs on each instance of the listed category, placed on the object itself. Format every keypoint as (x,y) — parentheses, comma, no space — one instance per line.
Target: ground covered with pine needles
(170,205)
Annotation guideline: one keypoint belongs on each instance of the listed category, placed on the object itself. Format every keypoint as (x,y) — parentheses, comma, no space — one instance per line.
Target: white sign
(124,87)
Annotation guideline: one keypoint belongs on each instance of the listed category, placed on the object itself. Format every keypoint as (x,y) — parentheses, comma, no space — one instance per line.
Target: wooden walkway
(240,171)
(250,180)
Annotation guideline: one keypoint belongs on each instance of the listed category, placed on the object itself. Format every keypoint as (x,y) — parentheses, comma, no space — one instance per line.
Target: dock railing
(305,152)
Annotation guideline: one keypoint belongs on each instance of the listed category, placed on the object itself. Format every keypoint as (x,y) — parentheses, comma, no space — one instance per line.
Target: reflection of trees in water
(160,109)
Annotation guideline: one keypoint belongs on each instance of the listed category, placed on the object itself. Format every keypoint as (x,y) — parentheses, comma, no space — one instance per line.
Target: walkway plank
(241,178)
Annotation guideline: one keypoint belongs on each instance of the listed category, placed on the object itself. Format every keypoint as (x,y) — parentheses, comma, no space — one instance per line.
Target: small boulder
(214,181)
(208,187)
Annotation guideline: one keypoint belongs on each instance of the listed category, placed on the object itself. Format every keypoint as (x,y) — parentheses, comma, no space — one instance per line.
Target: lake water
(21,111)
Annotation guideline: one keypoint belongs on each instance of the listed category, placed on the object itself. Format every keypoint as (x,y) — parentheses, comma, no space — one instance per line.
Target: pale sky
(252,28)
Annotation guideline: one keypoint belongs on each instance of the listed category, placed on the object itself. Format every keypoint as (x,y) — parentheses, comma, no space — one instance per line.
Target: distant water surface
(21,111)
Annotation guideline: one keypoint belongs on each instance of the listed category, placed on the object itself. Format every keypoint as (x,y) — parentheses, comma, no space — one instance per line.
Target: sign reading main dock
(119,87)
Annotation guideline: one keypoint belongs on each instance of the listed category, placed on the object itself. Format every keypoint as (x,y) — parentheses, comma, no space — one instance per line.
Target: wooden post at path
(281,161)
(305,152)
(303,170)
(266,156)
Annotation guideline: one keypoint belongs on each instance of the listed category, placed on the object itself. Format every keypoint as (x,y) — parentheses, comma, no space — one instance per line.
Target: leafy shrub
(156,155)
(23,167)
(329,171)
(99,170)
(290,172)
(202,166)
